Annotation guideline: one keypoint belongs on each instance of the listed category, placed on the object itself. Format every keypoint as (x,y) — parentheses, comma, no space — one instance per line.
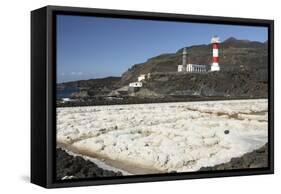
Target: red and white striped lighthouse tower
(215,65)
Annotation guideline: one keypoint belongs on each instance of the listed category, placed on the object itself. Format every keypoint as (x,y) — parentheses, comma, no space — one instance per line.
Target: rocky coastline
(255,159)
(76,167)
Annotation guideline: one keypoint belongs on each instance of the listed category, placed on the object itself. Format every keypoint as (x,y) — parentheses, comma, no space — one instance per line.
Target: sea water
(66,92)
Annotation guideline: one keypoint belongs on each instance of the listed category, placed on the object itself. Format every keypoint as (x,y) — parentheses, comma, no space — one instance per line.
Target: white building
(181,68)
(144,77)
(195,68)
(135,84)
(141,77)
(192,68)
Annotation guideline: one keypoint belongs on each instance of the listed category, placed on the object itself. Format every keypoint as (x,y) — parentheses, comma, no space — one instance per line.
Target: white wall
(15,89)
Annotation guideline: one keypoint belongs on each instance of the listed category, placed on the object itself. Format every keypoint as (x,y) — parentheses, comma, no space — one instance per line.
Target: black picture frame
(43,104)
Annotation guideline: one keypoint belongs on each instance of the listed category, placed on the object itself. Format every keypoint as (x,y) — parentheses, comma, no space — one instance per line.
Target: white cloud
(76,73)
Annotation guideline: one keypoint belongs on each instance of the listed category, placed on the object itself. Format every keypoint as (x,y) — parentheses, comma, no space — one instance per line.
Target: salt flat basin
(166,137)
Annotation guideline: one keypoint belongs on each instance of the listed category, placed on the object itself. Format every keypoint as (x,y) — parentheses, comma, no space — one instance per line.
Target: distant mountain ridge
(92,86)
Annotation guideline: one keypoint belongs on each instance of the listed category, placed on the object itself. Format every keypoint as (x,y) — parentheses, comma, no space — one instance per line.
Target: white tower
(215,65)
(182,67)
(184,56)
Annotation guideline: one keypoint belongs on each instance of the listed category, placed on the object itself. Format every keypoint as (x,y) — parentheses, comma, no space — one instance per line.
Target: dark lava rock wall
(256,159)
(77,167)
(230,84)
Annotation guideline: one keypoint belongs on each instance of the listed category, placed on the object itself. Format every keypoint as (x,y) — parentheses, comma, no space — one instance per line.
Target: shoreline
(72,167)
(126,166)
(76,166)
(136,101)
(164,102)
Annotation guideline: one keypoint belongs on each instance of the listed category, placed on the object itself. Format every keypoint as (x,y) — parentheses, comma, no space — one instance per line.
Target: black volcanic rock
(255,159)
(229,84)
(76,167)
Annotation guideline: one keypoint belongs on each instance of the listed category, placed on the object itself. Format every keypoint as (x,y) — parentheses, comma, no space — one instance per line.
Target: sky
(96,47)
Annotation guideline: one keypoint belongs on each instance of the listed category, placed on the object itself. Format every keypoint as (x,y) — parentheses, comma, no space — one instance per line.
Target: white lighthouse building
(215,65)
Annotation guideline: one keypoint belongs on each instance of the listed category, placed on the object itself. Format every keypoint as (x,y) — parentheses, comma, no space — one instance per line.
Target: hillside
(235,55)
(230,84)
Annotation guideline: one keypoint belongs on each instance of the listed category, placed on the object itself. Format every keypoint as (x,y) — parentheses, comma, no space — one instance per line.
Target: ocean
(66,93)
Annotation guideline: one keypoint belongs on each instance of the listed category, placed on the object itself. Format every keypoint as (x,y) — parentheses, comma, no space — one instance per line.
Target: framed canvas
(125,96)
